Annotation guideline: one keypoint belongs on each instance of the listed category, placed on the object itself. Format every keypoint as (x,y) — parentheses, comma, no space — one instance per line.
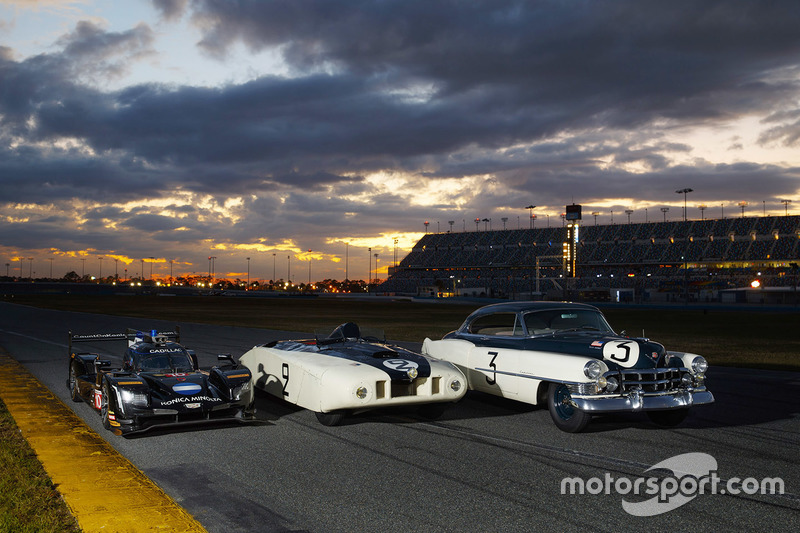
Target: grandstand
(655,261)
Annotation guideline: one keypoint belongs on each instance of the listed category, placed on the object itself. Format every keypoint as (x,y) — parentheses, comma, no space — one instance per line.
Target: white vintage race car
(346,371)
(567,356)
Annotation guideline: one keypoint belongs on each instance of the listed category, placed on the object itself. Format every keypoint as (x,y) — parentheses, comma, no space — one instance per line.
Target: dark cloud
(547,101)
(170,9)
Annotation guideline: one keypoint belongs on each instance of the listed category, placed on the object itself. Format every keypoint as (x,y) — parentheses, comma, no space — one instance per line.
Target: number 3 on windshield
(493,366)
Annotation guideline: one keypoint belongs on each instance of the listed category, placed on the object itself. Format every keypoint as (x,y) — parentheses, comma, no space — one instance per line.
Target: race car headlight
(699,365)
(602,383)
(136,398)
(611,384)
(237,391)
(362,392)
(592,369)
(413,373)
(686,380)
(455,385)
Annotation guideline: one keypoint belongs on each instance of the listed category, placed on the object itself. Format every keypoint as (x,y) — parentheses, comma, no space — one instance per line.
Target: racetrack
(488,464)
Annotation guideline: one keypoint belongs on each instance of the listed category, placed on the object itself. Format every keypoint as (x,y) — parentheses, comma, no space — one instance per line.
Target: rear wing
(131,335)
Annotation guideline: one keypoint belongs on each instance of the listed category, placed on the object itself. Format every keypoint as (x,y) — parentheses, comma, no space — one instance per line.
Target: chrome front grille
(648,379)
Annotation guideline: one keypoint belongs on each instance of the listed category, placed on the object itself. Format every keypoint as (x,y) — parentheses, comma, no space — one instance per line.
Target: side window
(502,324)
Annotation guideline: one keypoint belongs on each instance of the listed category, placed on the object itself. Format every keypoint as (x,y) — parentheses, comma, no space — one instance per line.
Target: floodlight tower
(531,208)
(684,192)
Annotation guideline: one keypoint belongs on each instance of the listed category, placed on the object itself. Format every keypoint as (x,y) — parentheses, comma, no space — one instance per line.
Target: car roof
(516,307)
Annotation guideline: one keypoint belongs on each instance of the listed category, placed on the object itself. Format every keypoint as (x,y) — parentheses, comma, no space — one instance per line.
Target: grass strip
(29,501)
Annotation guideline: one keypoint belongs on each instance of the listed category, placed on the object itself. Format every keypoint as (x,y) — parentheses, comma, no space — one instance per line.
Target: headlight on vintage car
(138,399)
(592,369)
(362,392)
(686,380)
(611,384)
(455,385)
(413,373)
(699,365)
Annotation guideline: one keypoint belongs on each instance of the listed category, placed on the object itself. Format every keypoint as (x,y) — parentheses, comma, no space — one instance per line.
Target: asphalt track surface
(487,465)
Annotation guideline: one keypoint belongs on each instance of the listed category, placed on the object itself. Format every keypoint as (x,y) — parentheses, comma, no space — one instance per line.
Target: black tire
(334,418)
(72,383)
(670,418)
(566,417)
(104,407)
(432,411)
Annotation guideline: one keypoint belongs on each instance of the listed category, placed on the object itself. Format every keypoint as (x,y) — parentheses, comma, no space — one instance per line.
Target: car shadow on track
(742,398)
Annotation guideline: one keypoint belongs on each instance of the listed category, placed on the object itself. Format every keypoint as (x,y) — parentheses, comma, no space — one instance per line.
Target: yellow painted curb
(104,491)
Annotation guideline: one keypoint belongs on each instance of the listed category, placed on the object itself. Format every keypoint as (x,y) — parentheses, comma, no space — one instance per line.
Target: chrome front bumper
(637,401)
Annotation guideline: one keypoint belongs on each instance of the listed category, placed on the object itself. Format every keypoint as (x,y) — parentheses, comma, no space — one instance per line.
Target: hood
(616,351)
(400,364)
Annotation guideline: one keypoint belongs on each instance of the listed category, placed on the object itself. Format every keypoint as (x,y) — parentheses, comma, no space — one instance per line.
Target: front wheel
(564,414)
(73,385)
(670,418)
(104,400)
(432,411)
(334,418)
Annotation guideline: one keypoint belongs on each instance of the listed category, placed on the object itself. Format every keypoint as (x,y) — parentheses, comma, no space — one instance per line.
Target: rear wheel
(564,414)
(669,418)
(73,385)
(334,418)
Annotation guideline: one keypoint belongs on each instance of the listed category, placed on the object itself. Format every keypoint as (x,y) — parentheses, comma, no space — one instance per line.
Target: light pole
(504,219)
(629,212)
(665,210)
(369,267)
(684,192)
(394,263)
(426,224)
(742,205)
(377,275)
(83,267)
(702,208)
(30,268)
(346,261)
(273,269)
(530,210)
(477,221)
(786,207)
(451,222)
(100,275)
(248,274)
(595,214)
(289,269)
(211,261)
(309,270)
(171,262)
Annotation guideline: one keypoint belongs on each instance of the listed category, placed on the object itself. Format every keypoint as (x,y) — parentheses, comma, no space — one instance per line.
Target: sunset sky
(179,130)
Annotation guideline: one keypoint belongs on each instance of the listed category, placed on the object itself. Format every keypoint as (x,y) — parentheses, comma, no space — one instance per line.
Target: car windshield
(560,320)
(165,362)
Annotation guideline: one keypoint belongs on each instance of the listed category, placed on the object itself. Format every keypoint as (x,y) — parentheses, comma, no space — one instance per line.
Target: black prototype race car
(159,384)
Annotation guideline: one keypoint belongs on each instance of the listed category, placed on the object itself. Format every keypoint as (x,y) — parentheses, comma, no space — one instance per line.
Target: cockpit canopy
(162,358)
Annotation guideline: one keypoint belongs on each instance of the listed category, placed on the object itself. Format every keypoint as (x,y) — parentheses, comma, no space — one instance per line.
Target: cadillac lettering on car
(567,356)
